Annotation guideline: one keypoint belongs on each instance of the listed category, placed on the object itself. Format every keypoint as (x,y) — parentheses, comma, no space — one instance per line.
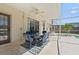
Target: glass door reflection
(4,29)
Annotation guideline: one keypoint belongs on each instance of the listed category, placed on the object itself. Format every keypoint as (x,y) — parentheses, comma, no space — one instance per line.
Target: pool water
(77,37)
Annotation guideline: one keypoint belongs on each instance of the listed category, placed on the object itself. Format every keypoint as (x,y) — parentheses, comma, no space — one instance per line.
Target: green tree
(67,27)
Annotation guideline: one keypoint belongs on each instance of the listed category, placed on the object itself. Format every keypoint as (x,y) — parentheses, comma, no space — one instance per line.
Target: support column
(54,28)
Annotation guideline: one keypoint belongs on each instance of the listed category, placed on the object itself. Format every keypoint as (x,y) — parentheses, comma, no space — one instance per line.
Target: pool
(77,37)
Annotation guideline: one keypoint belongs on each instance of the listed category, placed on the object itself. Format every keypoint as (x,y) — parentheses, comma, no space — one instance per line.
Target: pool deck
(68,45)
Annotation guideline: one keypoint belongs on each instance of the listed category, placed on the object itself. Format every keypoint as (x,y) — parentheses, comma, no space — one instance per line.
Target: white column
(54,28)
(60,29)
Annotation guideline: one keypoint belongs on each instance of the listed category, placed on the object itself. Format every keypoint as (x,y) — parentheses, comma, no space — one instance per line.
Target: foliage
(67,27)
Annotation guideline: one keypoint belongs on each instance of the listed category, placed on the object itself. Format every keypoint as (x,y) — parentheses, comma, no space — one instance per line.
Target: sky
(68,10)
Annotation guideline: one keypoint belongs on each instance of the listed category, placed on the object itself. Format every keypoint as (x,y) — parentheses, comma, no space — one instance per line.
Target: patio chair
(28,40)
(43,39)
(45,36)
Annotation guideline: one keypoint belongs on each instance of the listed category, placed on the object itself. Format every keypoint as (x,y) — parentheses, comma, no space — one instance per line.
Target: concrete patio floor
(49,49)
(68,45)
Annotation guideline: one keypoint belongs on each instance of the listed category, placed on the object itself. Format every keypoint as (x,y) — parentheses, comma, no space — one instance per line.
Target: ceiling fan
(37,11)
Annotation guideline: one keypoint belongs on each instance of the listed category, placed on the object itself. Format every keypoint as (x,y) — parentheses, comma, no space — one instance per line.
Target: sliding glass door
(33,25)
(4,28)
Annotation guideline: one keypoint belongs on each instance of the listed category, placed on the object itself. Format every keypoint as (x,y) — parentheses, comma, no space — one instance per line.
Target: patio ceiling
(50,10)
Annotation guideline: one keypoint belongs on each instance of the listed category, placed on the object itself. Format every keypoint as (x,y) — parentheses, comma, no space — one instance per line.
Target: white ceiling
(51,9)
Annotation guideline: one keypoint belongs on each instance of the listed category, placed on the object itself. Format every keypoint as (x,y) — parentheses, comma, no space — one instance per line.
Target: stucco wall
(16,21)
(19,24)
